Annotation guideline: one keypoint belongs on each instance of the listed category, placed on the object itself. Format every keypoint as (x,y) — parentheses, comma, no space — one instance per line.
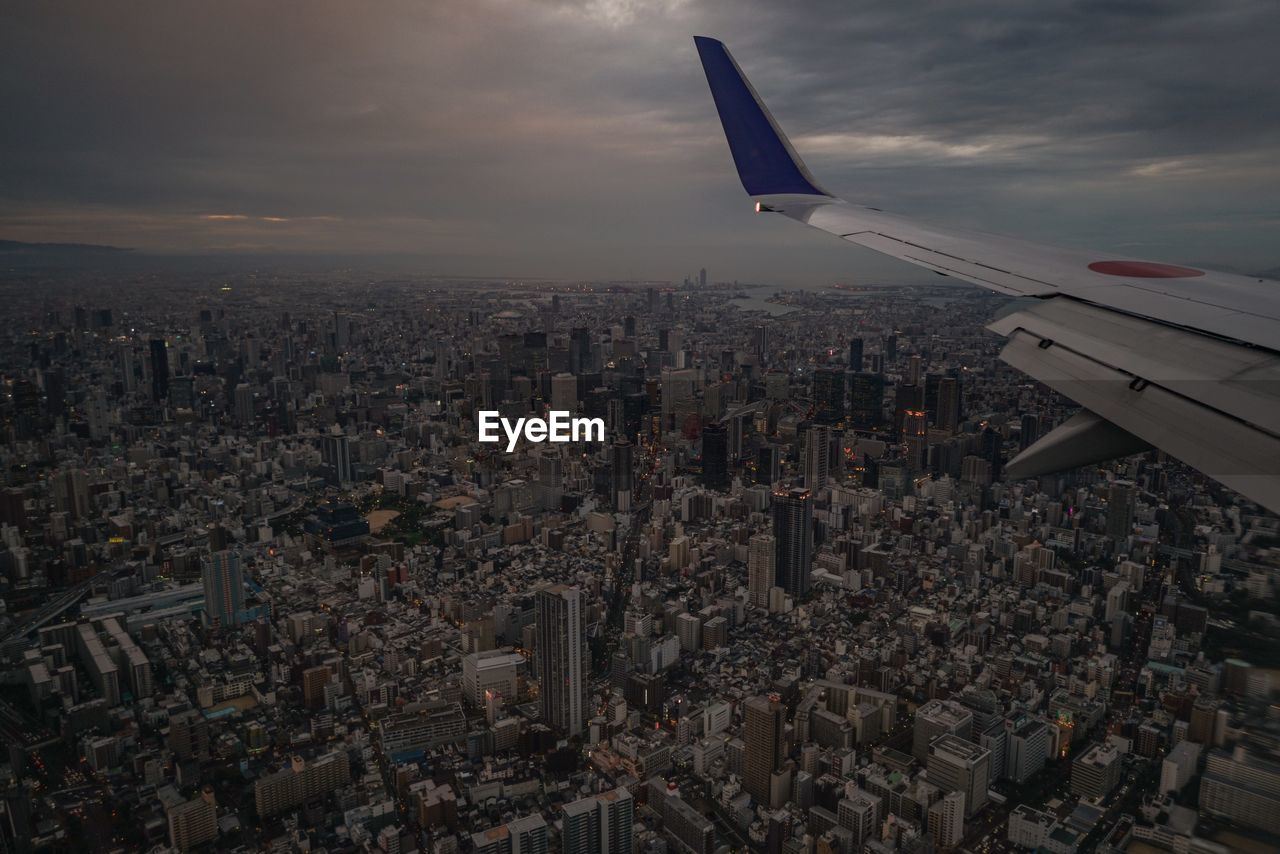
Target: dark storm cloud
(577,138)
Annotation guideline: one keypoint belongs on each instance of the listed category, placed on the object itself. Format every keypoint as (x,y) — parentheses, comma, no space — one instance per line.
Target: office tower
(579,350)
(1244,787)
(223,588)
(621,473)
(906,398)
(1120,503)
(335,452)
(128,368)
(828,395)
(958,765)
(935,718)
(855,355)
(761,343)
(867,399)
(1028,749)
(159,369)
(493,671)
(793,536)
(915,438)
(946,820)
(768,464)
(564,393)
(193,823)
(948,412)
(243,404)
(817,456)
(702,277)
(763,721)
(761,568)
(1030,430)
(1095,772)
(891,348)
(561,649)
(914,369)
(715,457)
(599,824)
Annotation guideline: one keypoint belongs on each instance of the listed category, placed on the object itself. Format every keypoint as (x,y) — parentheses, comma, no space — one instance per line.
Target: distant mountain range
(9,247)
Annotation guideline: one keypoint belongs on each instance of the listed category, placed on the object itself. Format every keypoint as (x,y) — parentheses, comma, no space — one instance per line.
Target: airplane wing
(1182,359)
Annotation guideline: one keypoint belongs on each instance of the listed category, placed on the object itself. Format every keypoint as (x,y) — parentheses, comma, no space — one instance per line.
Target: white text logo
(559,427)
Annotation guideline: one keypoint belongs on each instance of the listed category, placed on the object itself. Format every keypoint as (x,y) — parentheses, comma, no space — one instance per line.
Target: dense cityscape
(264,589)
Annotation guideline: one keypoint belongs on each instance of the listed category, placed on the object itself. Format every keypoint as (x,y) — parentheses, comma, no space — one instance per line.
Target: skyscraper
(1120,510)
(763,721)
(335,451)
(761,568)
(855,355)
(817,456)
(867,396)
(223,588)
(715,457)
(793,536)
(621,473)
(159,369)
(560,658)
(828,395)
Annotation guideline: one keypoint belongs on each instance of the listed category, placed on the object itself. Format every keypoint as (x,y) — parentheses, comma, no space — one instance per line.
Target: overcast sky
(578,139)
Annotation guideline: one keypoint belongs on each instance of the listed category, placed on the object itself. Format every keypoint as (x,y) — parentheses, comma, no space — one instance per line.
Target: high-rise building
(335,452)
(715,457)
(817,456)
(915,439)
(600,824)
(159,369)
(958,765)
(622,473)
(243,404)
(1120,502)
(223,588)
(867,399)
(828,395)
(947,416)
(763,721)
(564,392)
(762,571)
(946,820)
(702,277)
(793,540)
(855,355)
(193,823)
(935,718)
(1096,771)
(561,653)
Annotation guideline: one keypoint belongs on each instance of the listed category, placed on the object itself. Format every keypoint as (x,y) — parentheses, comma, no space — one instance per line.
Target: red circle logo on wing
(1144,270)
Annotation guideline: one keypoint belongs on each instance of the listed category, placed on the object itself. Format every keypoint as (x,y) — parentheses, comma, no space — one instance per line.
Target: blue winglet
(766,163)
